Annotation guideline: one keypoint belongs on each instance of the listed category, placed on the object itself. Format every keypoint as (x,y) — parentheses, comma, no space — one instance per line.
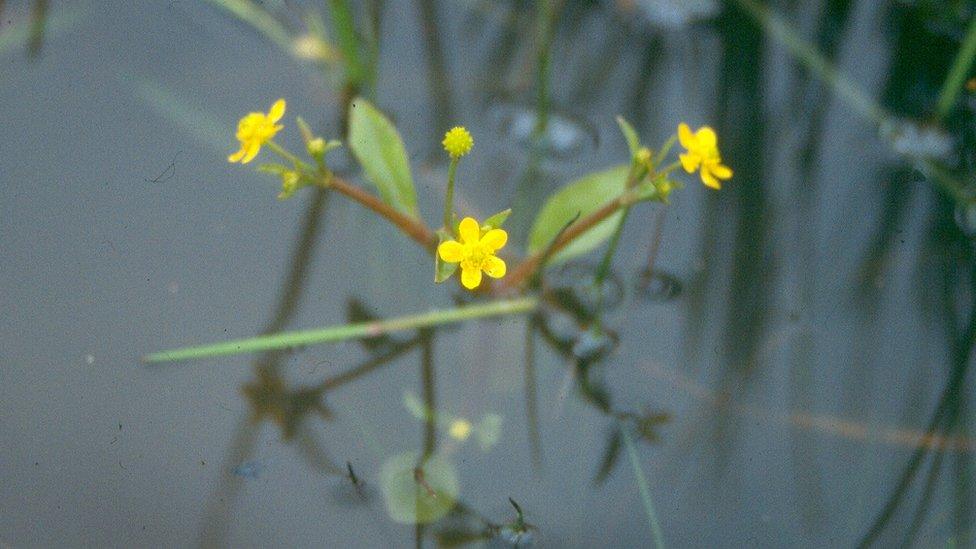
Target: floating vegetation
(418,491)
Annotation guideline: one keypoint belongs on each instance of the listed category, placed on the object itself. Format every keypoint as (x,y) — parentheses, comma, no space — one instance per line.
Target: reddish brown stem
(413,228)
(528,267)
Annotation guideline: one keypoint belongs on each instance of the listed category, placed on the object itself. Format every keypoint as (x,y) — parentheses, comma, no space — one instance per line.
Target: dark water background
(815,321)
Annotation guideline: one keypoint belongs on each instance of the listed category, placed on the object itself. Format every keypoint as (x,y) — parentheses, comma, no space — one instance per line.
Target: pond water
(793,371)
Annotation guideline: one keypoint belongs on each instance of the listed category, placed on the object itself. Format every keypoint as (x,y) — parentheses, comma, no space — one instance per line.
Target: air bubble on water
(564,134)
(658,286)
(966,218)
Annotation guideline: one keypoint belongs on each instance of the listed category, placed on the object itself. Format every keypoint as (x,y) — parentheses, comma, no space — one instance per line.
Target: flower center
(475,255)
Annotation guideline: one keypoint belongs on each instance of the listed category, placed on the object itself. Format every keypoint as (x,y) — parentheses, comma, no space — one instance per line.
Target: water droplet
(966,218)
(658,286)
(564,135)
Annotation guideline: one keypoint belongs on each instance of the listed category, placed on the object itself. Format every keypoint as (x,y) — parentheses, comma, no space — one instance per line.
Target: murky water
(787,358)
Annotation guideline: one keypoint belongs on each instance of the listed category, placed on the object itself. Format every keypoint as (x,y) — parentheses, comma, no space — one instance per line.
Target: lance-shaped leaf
(581,197)
(377,146)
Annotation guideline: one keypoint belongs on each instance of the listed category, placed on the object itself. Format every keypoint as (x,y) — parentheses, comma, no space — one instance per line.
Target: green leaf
(583,196)
(442,269)
(380,151)
(497,220)
(629,134)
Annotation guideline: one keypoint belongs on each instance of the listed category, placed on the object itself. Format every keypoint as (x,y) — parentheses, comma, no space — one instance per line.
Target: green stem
(645,492)
(957,74)
(348,331)
(280,151)
(449,196)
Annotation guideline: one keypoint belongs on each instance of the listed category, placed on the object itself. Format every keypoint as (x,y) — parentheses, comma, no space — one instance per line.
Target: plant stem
(525,269)
(348,331)
(449,196)
(957,74)
(645,492)
(410,226)
(280,151)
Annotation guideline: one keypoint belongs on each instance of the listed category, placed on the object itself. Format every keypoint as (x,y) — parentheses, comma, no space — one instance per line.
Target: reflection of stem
(357,330)
(531,406)
(427,376)
(38,21)
(944,419)
(655,240)
(440,92)
(544,35)
(372,364)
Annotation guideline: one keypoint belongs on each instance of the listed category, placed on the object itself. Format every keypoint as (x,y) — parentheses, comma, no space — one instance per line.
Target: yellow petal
(494,267)
(470,230)
(721,171)
(277,111)
(709,180)
(495,239)
(706,137)
(253,148)
(690,162)
(471,278)
(451,251)
(685,136)
(236,157)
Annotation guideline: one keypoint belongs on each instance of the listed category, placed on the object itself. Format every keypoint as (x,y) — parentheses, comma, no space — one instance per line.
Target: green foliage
(377,145)
(581,197)
(633,142)
(418,494)
(496,221)
(442,269)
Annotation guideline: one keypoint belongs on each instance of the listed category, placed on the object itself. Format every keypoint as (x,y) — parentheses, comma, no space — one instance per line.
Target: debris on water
(658,286)
(89,359)
(249,469)
(564,134)
(916,139)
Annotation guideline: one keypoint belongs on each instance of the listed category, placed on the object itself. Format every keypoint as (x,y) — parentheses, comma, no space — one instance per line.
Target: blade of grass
(645,492)
(347,331)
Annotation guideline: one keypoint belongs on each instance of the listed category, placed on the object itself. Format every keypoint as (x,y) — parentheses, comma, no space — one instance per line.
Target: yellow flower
(460,429)
(475,252)
(457,142)
(255,130)
(703,152)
